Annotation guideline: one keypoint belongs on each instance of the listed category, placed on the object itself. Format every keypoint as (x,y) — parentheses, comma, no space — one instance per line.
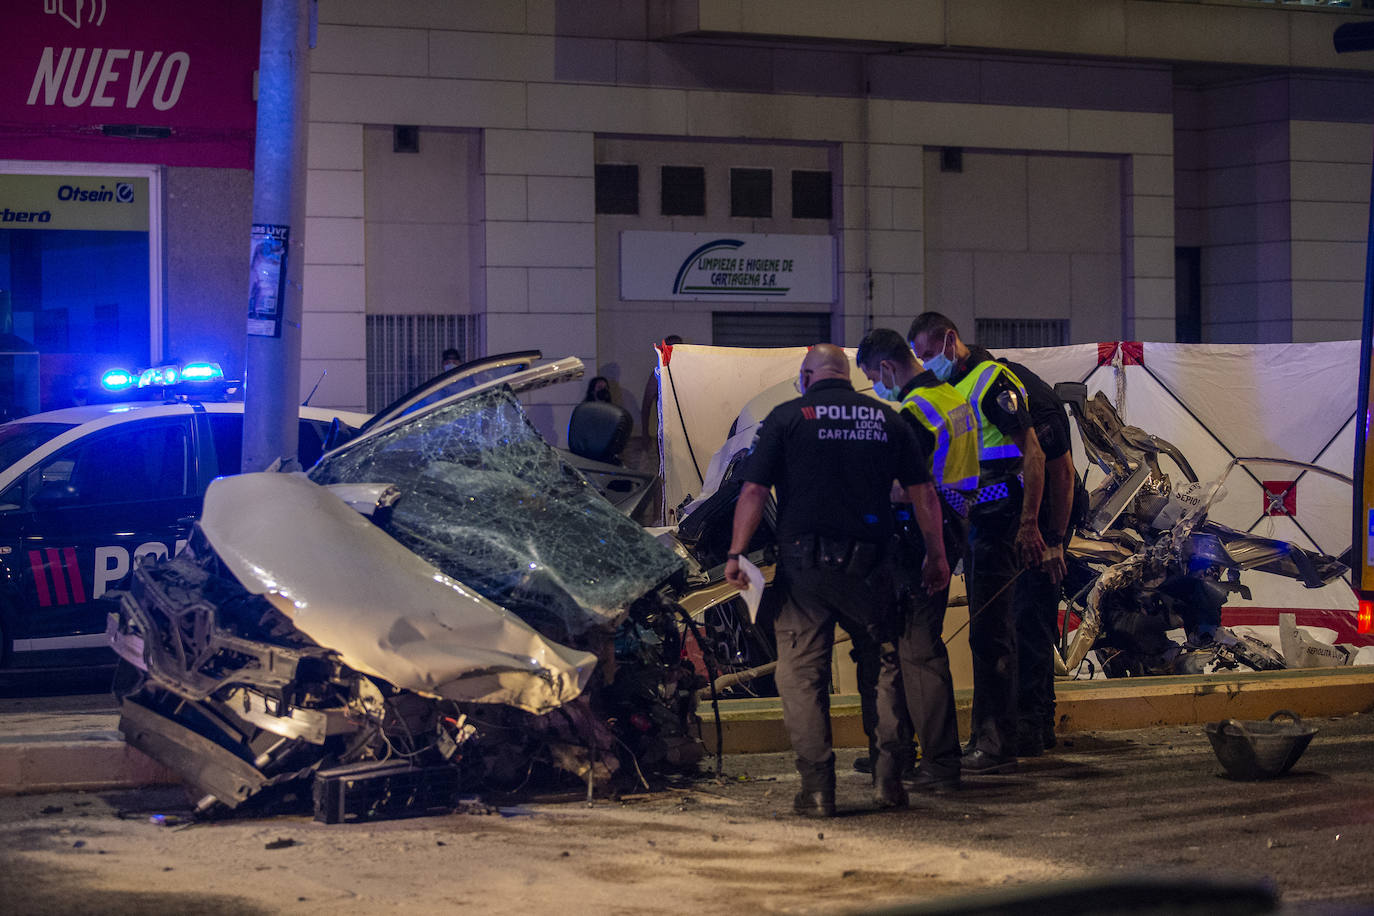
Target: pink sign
(153,81)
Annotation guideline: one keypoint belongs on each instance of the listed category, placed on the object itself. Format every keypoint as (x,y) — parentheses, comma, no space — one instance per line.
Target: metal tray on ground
(1260,749)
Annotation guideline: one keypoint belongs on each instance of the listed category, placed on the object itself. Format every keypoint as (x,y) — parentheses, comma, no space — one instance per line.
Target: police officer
(832,456)
(943,423)
(1004,528)
(1038,590)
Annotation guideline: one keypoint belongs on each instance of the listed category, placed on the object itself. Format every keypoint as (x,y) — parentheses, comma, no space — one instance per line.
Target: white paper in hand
(754,593)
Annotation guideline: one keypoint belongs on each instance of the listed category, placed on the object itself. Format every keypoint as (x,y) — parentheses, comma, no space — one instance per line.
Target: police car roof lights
(197,374)
(201,372)
(118,380)
(158,377)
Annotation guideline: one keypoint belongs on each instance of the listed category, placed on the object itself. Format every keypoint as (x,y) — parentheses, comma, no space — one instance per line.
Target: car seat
(599,430)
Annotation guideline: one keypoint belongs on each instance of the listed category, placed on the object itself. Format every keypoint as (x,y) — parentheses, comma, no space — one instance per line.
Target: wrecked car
(1150,572)
(442,603)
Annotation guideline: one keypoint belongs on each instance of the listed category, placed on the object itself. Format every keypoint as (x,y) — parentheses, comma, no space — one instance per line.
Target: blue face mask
(941,365)
(884,392)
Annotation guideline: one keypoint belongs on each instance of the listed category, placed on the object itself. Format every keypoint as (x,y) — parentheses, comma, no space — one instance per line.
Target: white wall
(493,67)
(1329,166)
(627,330)
(1026,236)
(419,222)
(335,296)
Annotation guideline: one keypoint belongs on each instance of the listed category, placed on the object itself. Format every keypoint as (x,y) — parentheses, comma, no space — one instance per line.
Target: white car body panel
(349,586)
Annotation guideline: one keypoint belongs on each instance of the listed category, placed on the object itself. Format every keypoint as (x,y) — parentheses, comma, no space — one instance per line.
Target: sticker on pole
(267,290)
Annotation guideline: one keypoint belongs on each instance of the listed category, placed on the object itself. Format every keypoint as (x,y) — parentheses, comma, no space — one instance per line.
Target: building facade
(585,177)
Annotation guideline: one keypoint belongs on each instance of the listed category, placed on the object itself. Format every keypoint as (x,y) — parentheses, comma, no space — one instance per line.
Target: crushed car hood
(486,500)
(348,586)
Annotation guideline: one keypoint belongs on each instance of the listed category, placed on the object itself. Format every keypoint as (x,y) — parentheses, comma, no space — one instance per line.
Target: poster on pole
(267,291)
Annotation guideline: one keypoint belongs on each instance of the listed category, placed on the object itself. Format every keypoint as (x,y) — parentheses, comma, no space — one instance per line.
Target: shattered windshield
(490,503)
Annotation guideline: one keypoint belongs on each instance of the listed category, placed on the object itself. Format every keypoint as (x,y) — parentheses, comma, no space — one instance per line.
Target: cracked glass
(490,503)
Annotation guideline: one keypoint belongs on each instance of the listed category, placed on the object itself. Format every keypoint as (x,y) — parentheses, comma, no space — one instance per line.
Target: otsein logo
(73,10)
(122,193)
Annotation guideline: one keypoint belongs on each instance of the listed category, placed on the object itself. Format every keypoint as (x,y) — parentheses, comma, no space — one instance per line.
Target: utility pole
(273,358)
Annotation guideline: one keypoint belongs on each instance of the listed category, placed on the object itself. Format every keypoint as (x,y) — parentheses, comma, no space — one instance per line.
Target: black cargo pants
(824,583)
(992,564)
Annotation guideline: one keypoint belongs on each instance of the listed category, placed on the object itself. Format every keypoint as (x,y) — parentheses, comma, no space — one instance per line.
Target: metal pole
(273,357)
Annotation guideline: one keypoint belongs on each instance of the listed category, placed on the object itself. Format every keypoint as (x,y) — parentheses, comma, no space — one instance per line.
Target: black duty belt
(848,555)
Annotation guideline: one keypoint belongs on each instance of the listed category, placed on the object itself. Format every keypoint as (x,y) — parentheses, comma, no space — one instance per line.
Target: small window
(617,189)
(683,190)
(811,195)
(996,333)
(751,193)
(310,442)
(227,430)
(769,329)
(405,138)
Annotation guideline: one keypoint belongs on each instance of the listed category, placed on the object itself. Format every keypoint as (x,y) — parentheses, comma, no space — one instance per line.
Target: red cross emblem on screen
(1281,497)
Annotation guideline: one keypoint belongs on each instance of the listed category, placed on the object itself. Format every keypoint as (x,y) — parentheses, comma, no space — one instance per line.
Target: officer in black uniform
(1038,590)
(1004,530)
(833,455)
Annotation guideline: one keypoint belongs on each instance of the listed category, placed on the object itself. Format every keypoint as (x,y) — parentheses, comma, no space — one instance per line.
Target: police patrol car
(86,490)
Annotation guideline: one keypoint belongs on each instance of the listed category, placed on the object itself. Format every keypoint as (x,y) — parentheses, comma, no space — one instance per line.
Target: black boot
(817,795)
(865,764)
(888,791)
(1030,740)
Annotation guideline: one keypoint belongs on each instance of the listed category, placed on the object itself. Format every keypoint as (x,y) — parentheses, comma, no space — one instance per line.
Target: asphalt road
(1111,805)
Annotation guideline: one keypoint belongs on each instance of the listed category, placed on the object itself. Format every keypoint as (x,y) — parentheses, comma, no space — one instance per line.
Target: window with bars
(405,350)
(769,329)
(1021,332)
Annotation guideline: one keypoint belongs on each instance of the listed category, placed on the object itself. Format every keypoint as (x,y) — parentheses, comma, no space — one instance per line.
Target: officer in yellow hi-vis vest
(944,424)
(1004,529)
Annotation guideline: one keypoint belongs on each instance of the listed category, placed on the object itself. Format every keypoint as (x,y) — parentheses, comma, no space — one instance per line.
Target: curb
(99,759)
(755,726)
(57,763)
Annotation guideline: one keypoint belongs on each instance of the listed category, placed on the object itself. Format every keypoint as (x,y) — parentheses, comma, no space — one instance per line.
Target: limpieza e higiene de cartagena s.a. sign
(736,267)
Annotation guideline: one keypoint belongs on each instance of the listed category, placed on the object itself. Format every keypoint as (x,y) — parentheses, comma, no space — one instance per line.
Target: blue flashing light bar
(201,372)
(118,380)
(158,377)
(161,376)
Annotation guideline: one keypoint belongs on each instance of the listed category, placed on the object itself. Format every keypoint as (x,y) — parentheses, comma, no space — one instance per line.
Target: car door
(83,516)
(455,381)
